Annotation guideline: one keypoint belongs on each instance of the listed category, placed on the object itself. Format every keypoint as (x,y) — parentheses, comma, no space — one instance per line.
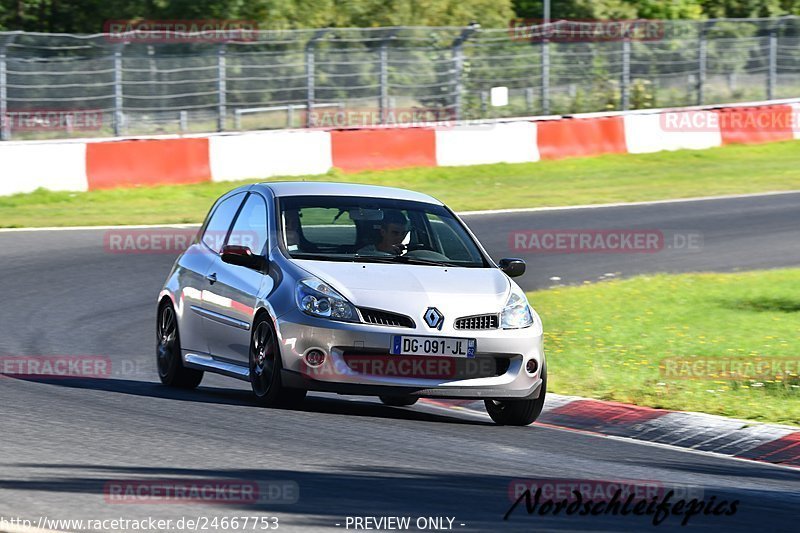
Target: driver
(394,229)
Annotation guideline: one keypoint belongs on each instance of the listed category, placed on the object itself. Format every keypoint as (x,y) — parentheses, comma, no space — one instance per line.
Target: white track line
(625,204)
(461,213)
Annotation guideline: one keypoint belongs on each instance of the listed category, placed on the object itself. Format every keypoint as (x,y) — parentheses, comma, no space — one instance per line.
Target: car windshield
(375,230)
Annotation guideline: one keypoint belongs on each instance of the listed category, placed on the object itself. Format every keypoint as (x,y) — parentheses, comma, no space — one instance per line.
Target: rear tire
(518,412)
(171,371)
(398,401)
(265,368)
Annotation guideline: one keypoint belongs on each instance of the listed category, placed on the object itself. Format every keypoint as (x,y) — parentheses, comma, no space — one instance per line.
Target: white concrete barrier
(682,130)
(502,142)
(27,166)
(272,153)
(796,120)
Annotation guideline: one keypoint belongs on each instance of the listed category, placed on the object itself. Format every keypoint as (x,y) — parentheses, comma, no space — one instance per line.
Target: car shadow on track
(325,498)
(243,398)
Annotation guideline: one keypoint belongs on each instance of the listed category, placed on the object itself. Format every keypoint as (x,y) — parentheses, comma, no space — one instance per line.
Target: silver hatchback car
(352,289)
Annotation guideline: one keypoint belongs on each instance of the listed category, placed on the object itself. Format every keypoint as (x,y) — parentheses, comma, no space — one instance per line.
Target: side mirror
(512,267)
(242,256)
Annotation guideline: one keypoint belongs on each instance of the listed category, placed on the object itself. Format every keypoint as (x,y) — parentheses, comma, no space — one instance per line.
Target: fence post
(118,102)
(458,68)
(529,98)
(702,60)
(625,92)
(310,75)
(545,76)
(5,133)
(309,84)
(772,75)
(383,101)
(222,88)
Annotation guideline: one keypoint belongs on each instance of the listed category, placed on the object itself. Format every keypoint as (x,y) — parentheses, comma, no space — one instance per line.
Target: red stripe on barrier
(151,162)
(753,125)
(783,450)
(593,415)
(355,150)
(581,137)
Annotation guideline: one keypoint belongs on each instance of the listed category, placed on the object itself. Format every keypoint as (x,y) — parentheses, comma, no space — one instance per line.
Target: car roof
(326,188)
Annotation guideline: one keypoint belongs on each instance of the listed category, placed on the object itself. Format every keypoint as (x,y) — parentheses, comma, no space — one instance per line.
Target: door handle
(212,278)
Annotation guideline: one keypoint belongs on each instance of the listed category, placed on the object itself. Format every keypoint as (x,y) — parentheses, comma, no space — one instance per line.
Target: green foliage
(88,16)
(642,94)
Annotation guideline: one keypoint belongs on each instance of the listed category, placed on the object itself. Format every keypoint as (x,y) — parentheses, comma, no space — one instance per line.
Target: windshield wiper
(321,257)
(397,259)
(402,259)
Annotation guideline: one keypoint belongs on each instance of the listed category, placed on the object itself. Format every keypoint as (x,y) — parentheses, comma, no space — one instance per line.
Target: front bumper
(507,350)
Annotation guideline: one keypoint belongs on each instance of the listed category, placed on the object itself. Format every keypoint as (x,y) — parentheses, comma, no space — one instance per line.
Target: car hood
(411,289)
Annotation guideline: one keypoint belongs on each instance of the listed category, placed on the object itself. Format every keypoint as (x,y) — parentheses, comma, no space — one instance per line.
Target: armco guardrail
(101,164)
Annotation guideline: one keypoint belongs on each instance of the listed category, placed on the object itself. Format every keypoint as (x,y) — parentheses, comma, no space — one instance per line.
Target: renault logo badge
(434,318)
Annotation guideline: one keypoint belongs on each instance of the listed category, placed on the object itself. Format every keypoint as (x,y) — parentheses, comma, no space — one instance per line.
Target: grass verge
(612,178)
(651,340)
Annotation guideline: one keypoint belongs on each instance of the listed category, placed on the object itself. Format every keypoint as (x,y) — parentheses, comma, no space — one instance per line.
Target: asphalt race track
(64,440)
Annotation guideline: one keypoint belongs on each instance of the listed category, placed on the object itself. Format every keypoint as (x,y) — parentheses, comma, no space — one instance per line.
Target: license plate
(438,346)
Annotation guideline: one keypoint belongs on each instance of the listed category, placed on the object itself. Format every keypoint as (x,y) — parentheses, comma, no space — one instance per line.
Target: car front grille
(478,322)
(384,318)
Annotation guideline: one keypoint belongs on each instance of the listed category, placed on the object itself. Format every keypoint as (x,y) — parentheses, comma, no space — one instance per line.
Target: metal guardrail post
(625,90)
(702,64)
(458,68)
(772,71)
(311,75)
(222,88)
(310,84)
(118,96)
(545,76)
(384,82)
(5,132)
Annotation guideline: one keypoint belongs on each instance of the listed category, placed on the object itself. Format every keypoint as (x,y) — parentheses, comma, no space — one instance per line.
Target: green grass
(613,341)
(612,178)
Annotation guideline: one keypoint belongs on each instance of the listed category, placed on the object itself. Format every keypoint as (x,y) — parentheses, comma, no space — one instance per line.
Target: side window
(250,228)
(220,222)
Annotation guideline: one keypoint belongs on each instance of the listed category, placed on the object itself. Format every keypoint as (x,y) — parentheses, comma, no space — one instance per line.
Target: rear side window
(250,228)
(220,222)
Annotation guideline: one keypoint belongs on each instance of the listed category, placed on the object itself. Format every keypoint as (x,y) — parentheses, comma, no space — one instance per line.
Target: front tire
(265,368)
(518,412)
(398,401)
(171,371)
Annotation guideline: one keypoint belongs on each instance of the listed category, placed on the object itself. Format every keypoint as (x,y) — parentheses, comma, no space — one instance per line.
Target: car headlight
(516,313)
(315,298)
